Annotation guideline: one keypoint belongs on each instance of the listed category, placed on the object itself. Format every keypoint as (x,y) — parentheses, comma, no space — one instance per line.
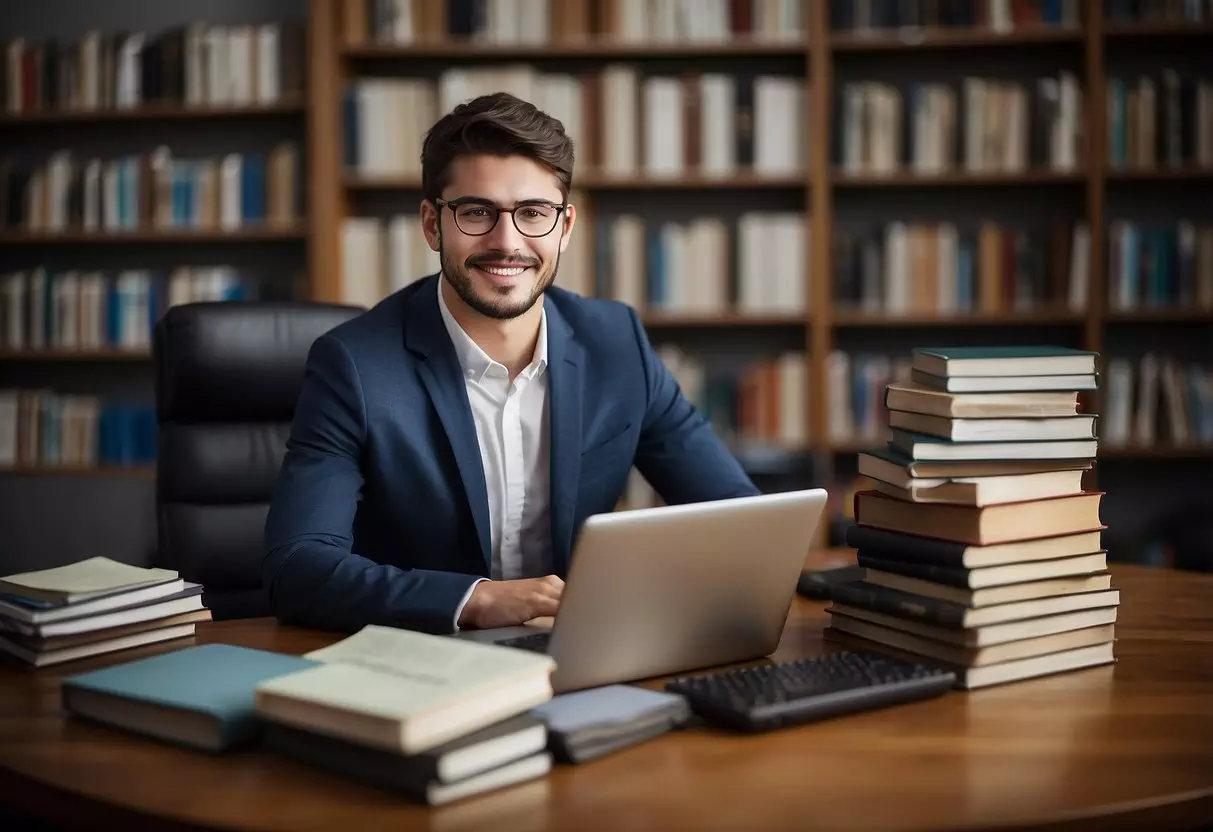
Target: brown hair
(500,125)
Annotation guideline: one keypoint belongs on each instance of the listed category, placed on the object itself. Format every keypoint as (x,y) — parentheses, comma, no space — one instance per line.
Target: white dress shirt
(511,419)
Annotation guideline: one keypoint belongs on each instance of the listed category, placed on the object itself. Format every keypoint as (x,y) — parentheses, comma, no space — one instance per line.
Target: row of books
(995,15)
(1155,265)
(1157,399)
(980,125)
(152,191)
(540,22)
(756,266)
(855,389)
(1163,120)
(76,309)
(623,121)
(980,548)
(758,403)
(198,65)
(905,268)
(1157,11)
(40,428)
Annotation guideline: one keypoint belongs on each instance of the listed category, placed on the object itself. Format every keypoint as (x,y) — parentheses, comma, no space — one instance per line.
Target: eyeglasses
(476,218)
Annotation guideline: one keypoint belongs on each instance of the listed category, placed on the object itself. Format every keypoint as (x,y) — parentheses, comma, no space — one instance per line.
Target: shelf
(107,354)
(912,38)
(591,181)
(674,320)
(170,235)
(477,51)
(953,178)
(122,471)
(1158,174)
(1163,315)
(1157,29)
(160,112)
(1031,317)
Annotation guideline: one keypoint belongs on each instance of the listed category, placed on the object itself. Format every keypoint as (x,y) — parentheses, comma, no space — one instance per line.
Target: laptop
(664,590)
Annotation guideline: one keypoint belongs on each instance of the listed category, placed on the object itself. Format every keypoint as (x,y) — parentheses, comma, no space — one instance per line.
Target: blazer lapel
(426,335)
(564,416)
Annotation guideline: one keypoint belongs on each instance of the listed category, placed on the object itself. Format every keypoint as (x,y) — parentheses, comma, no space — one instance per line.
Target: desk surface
(1125,746)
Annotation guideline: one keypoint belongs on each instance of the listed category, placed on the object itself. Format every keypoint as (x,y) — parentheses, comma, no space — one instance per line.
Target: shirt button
(471,373)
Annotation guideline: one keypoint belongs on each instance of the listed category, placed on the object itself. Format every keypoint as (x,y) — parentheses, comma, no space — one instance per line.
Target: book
(406,691)
(1009,573)
(200,697)
(976,656)
(471,764)
(584,725)
(1003,361)
(918,398)
(955,429)
(951,612)
(893,545)
(972,678)
(187,600)
(985,491)
(18,609)
(922,446)
(81,581)
(1002,523)
(892,465)
(987,634)
(996,384)
(43,652)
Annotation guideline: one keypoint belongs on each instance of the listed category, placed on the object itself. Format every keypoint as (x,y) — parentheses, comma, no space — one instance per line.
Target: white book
(406,691)
(717,125)
(230,204)
(663,127)
(628,276)
(267,82)
(217,62)
(620,94)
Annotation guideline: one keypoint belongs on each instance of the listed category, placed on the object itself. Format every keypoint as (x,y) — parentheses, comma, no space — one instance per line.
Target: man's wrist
(466,612)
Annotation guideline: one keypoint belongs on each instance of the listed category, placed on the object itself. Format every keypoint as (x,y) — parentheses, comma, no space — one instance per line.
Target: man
(449,442)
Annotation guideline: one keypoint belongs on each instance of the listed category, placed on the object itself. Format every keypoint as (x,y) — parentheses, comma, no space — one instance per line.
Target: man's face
(501,273)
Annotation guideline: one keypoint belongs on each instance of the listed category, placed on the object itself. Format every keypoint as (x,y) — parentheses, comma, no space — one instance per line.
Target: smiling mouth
(502,271)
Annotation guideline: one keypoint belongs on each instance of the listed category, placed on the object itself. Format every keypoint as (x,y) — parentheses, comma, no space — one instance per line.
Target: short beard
(461,281)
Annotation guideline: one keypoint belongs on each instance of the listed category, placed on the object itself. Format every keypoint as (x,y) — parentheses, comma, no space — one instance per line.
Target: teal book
(1003,361)
(200,697)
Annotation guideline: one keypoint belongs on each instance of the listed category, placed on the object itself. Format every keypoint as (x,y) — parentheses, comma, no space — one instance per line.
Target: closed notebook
(81,581)
(589,723)
(201,697)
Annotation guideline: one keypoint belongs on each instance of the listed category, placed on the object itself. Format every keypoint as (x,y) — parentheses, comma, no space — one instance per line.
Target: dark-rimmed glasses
(477,217)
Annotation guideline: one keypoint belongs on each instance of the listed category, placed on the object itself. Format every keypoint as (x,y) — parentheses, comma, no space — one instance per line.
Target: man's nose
(505,234)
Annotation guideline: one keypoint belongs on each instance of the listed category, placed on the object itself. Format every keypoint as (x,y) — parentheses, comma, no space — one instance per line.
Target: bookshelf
(99,86)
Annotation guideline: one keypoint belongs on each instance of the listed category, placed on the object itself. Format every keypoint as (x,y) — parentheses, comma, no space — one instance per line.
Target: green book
(947,362)
(201,697)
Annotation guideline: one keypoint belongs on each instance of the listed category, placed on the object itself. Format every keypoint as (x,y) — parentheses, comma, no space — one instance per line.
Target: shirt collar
(474,361)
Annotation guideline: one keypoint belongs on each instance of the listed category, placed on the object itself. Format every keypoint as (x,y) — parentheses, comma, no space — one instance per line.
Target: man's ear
(429,223)
(569,220)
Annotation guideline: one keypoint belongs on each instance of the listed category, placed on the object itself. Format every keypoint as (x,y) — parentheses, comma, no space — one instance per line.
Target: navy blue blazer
(380,514)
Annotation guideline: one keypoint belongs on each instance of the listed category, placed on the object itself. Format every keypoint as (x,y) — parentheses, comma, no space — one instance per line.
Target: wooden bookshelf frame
(337,54)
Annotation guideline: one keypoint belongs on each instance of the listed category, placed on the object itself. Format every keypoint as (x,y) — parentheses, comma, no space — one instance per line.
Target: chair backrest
(227,379)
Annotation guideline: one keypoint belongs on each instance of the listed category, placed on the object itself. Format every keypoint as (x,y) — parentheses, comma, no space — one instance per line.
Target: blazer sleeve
(309,572)
(678,452)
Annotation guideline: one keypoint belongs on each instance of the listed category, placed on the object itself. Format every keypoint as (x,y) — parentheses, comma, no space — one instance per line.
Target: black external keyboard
(538,642)
(776,695)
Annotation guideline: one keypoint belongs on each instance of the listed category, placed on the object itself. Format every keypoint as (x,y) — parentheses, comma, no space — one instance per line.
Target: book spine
(890,602)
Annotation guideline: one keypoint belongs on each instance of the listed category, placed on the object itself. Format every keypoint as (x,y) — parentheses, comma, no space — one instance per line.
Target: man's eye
(532,213)
(476,213)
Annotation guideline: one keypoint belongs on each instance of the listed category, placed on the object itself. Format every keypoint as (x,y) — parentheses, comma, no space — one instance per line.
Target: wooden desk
(1127,746)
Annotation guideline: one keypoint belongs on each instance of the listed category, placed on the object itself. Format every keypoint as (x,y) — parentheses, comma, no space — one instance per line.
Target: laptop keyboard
(537,642)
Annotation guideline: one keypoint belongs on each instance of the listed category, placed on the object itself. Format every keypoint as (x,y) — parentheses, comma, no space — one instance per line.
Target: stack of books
(433,718)
(91,607)
(981,551)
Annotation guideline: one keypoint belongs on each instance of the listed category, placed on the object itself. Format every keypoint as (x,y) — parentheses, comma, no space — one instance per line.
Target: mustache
(503,258)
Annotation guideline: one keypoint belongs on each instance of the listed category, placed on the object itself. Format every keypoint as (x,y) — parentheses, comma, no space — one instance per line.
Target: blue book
(199,697)
(586,724)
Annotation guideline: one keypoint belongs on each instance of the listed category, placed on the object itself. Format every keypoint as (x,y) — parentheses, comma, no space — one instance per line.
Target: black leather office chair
(227,378)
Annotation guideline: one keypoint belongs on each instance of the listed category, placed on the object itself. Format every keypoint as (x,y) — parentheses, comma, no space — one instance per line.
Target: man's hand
(507,603)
